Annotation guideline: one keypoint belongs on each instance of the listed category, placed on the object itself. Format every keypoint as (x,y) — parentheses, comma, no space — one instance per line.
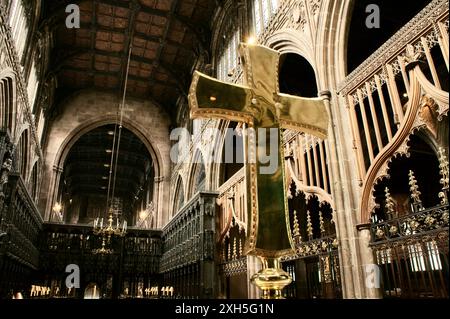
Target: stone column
(53,191)
(367,263)
(253,266)
(157,201)
(343,208)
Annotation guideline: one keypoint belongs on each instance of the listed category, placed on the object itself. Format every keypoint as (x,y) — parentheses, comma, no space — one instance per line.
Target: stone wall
(89,109)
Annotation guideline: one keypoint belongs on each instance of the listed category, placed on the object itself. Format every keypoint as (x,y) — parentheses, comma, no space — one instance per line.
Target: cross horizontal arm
(307,115)
(211,98)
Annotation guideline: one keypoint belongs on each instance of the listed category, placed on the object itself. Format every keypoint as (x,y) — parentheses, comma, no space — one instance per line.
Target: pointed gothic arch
(197,177)
(22,154)
(179,196)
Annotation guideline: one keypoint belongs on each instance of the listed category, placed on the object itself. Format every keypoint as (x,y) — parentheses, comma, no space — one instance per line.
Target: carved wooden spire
(390,204)
(415,193)
(322,224)
(443,170)
(309,226)
(296,230)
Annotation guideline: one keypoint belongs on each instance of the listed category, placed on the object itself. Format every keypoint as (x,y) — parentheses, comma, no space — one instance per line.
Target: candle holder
(107,231)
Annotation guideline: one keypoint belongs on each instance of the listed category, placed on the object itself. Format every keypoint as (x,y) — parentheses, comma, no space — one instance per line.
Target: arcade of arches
(86,122)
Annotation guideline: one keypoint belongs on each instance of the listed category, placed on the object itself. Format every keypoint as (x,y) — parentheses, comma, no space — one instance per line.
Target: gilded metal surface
(271,279)
(260,104)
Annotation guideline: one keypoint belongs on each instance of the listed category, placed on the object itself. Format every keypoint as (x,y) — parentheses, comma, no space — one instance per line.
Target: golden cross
(260,104)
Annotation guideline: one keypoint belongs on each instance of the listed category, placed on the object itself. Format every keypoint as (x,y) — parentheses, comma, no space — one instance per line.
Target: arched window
(32,86)
(232,152)
(179,197)
(22,154)
(19,25)
(262,12)
(6,104)
(198,177)
(228,59)
(33,186)
(297,76)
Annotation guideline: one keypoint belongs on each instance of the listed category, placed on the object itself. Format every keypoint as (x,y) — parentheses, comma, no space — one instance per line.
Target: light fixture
(212,98)
(57,207)
(146,216)
(107,230)
(57,212)
(251,40)
(112,226)
(405,94)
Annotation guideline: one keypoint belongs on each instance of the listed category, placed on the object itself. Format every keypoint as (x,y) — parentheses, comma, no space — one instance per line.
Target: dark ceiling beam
(101,149)
(59,15)
(86,176)
(63,55)
(134,8)
(105,172)
(117,74)
(172,11)
(98,167)
(180,76)
(177,76)
(92,27)
(89,188)
(200,32)
(140,35)
(97,179)
(127,185)
(75,180)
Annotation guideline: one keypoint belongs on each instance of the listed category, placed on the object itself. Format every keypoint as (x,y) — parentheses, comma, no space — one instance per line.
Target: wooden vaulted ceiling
(86,170)
(166,37)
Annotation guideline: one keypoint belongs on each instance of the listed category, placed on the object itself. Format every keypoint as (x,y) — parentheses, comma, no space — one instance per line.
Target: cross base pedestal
(271,279)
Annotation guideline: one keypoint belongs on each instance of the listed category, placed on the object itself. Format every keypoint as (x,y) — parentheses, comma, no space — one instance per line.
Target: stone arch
(82,129)
(89,109)
(9,105)
(420,149)
(197,167)
(217,165)
(179,192)
(33,180)
(22,151)
(332,35)
(423,95)
(291,41)
(104,120)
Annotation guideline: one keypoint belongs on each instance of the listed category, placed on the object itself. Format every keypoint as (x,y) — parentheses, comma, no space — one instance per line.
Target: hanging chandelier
(113,226)
(107,230)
